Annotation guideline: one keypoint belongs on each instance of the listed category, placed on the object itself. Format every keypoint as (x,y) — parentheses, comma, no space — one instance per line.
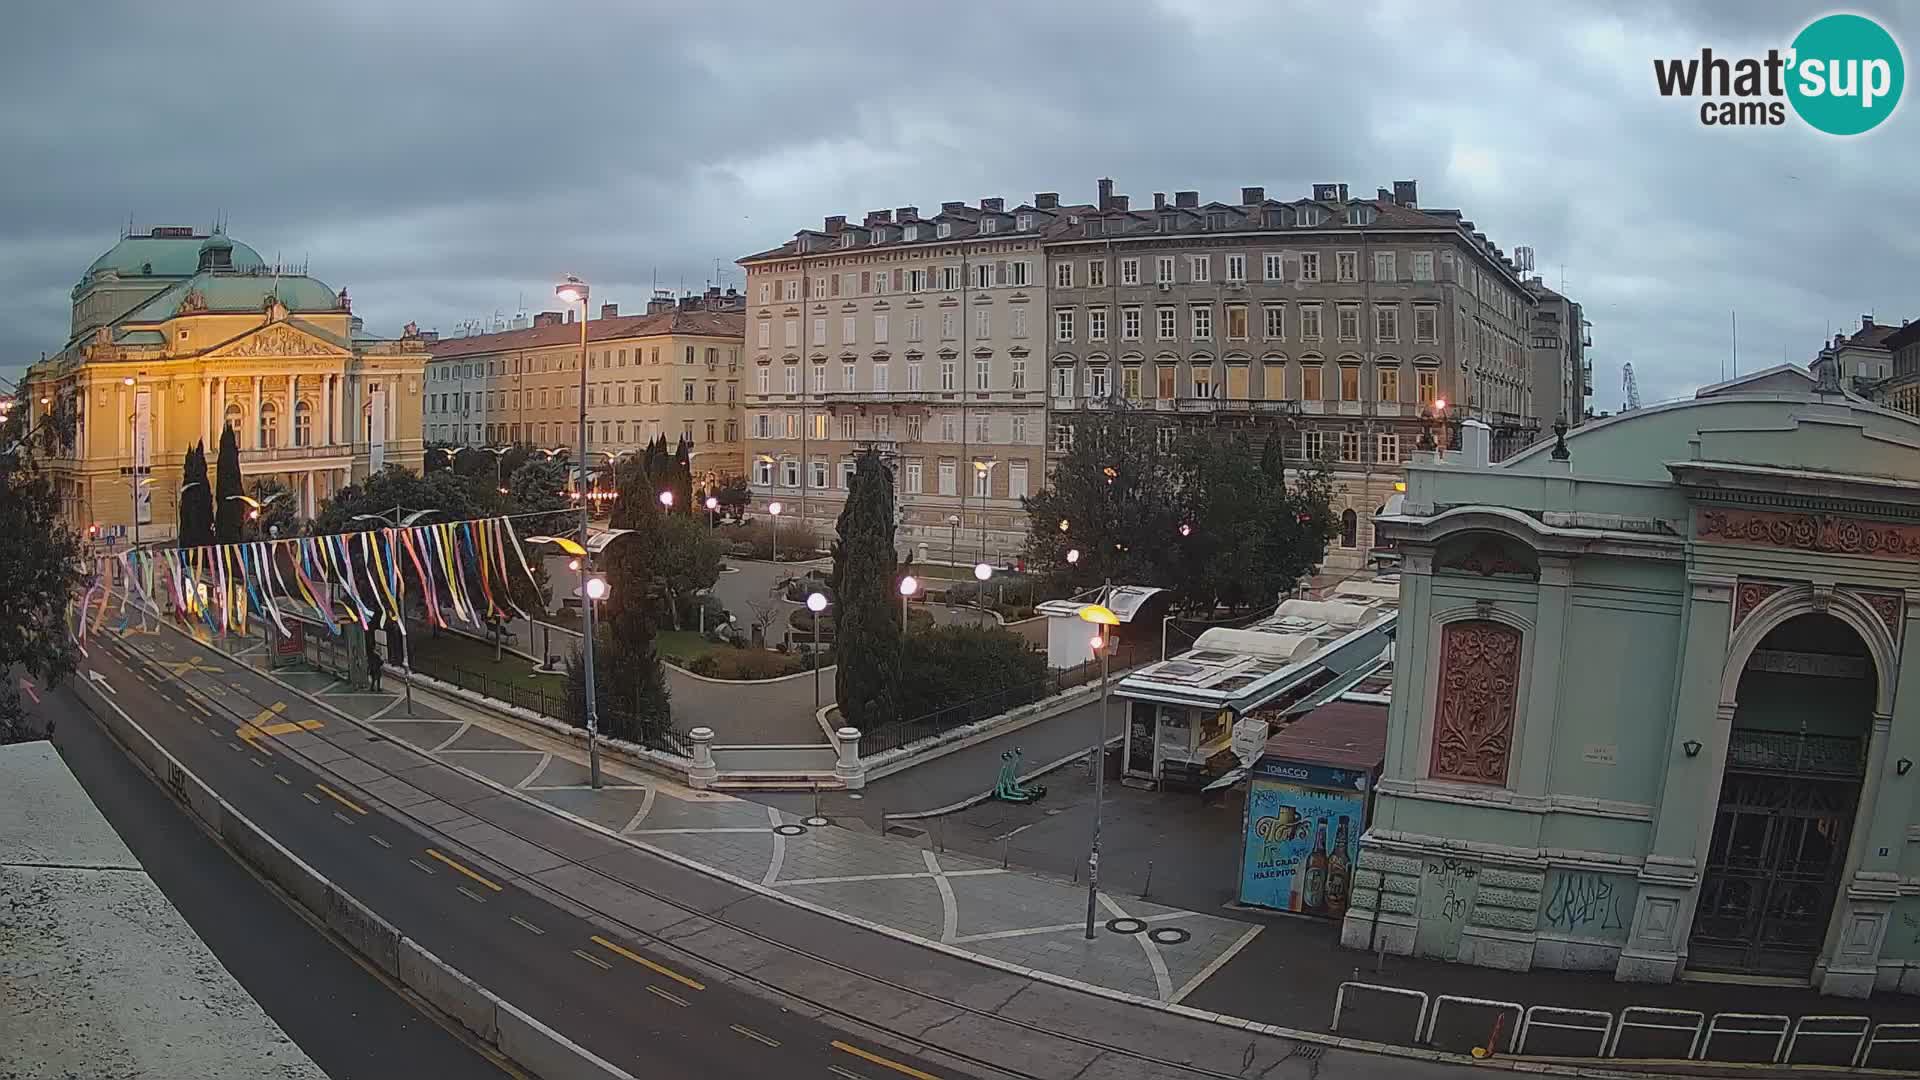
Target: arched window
(1349,529)
(234,417)
(303,424)
(269,425)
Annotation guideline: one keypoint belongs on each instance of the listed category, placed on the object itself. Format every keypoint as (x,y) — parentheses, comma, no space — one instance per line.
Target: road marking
(257,763)
(308,795)
(594,960)
(344,819)
(283,779)
(471,895)
(886,1063)
(420,866)
(657,992)
(436,855)
(844,1074)
(648,964)
(339,798)
(237,747)
(262,725)
(754,1035)
(191,663)
(379,841)
(201,709)
(102,683)
(524,924)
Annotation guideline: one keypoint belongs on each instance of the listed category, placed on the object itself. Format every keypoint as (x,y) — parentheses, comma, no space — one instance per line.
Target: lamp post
(1104,619)
(984,470)
(499,456)
(908,586)
(816,603)
(574,291)
(773,511)
(713,504)
(981,572)
(953,539)
(666,501)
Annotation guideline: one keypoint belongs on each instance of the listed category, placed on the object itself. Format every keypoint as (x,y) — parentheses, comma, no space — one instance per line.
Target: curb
(972,801)
(498,1023)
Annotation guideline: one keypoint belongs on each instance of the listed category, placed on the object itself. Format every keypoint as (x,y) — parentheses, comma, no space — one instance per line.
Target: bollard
(703,773)
(1148,887)
(1005,841)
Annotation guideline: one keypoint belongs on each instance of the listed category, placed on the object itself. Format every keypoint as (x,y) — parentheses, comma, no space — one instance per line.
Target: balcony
(298,454)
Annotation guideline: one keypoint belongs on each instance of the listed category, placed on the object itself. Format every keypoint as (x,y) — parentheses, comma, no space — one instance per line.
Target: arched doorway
(1796,757)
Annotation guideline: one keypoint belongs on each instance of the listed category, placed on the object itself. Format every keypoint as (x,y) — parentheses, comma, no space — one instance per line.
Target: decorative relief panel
(1486,556)
(1479,689)
(1749,595)
(1888,606)
(1812,532)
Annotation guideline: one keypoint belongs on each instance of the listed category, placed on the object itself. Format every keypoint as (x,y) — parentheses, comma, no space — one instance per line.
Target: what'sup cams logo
(1842,75)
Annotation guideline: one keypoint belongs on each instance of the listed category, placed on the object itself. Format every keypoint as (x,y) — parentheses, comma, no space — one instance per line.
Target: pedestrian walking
(374,666)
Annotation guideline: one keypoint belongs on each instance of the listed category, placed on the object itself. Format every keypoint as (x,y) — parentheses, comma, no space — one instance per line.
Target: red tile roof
(1342,734)
(692,323)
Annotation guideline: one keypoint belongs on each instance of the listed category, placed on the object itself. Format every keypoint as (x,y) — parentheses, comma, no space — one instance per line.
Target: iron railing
(899,733)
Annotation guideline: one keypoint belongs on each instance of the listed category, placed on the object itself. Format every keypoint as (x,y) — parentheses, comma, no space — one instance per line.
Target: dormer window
(1216,221)
(988,225)
(944,229)
(846,239)
(1360,215)
(1312,215)
(1277,219)
(913,232)
(1169,222)
(878,236)
(1023,222)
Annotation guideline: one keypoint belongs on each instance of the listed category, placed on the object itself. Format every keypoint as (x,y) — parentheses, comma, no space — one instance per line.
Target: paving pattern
(964,903)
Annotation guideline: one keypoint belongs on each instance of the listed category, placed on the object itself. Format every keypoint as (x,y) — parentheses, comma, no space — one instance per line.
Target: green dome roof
(168,256)
(234,293)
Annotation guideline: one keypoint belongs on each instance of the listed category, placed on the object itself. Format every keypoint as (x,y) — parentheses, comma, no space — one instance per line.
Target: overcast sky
(445,160)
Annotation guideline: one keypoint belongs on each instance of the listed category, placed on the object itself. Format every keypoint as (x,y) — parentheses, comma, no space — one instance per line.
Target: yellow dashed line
(886,1063)
(658,969)
(339,798)
(432,854)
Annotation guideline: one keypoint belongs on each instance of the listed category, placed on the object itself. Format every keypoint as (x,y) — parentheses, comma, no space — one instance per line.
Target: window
(880,373)
(1062,438)
(1236,322)
(849,285)
(1309,266)
(819,473)
(819,331)
(819,378)
(793,378)
(1389,449)
(913,375)
(303,424)
(1276,322)
(791,421)
(1163,377)
(1386,323)
(849,330)
(1349,523)
(733,431)
(879,329)
(1311,375)
(1389,384)
(983,275)
(948,476)
(982,482)
(982,323)
(686,390)
(1428,383)
(1169,320)
(914,467)
(1349,451)
(1019,321)
(793,333)
(1129,271)
(1271,270)
(1349,382)
(1203,380)
(762,426)
(793,290)
(766,334)
(1347,265)
(882,426)
(1383,266)
(1097,324)
(1130,382)
(982,372)
(1063,275)
(916,281)
(1426,323)
(1019,433)
(1349,315)
(1019,374)
(766,292)
(1236,268)
(948,380)
(1202,323)
(1097,381)
(949,427)
(1130,324)
(1019,269)
(1423,266)
(982,427)
(1200,268)
(846,427)
(1164,268)
(947,326)
(989,225)
(1063,325)
(1063,382)
(1096,273)
(1017,480)
(269,425)
(848,377)
(913,428)
(790,473)
(763,473)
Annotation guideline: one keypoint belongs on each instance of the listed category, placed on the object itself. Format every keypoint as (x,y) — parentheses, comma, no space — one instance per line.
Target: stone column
(327,437)
(849,769)
(253,426)
(206,412)
(293,407)
(220,417)
(393,409)
(703,773)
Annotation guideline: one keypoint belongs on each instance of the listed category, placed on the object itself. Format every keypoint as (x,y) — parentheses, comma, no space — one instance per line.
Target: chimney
(661,303)
(1383,194)
(1159,200)
(995,204)
(569,316)
(1476,444)
(1326,192)
(1406,193)
(1343,193)
(609,311)
(1186,200)
(907,213)
(836,224)
(1119,202)
(429,337)
(1866,322)
(879,217)
(547,318)
(950,207)
(1252,196)
(1106,193)
(1046,200)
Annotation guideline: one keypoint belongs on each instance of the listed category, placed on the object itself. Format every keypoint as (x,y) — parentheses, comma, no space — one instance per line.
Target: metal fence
(906,732)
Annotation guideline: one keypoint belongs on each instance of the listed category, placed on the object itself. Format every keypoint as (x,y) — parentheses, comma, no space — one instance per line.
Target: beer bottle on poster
(1314,892)
(1339,872)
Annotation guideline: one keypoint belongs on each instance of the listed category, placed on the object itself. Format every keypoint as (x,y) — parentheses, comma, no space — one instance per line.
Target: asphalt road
(643,1010)
(350,1022)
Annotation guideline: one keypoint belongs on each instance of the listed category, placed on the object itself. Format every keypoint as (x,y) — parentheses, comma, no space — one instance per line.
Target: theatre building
(1656,708)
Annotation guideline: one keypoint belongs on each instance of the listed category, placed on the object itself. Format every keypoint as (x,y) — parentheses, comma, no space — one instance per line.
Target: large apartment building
(1336,323)
(673,373)
(921,336)
(1562,372)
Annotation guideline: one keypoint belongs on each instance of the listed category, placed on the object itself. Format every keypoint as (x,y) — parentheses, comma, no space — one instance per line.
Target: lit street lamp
(981,572)
(908,586)
(1073,556)
(666,500)
(713,504)
(816,603)
(574,291)
(773,511)
(1104,618)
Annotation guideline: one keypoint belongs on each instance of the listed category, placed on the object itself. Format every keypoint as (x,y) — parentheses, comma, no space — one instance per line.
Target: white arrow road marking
(104,684)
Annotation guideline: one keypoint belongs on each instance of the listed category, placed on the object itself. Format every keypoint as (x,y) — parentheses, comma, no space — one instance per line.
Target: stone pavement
(967,903)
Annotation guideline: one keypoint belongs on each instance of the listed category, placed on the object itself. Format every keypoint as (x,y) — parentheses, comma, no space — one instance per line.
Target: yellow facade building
(178,334)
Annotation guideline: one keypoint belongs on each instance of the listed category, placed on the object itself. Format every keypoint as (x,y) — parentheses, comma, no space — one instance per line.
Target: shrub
(948,666)
(745,664)
(754,540)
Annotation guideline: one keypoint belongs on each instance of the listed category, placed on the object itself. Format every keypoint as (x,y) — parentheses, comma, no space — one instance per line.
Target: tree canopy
(865,595)
(196,499)
(229,512)
(40,563)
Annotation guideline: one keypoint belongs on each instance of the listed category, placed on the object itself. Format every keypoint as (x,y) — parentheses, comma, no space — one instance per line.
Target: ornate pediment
(278,340)
(1487,555)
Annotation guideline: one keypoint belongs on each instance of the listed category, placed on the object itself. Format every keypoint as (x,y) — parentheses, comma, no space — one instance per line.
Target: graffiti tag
(1580,900)
(1453,875)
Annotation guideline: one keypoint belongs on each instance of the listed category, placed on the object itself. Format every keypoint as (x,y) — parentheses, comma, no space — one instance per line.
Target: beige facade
(180,334)
(671,374)
(922,337)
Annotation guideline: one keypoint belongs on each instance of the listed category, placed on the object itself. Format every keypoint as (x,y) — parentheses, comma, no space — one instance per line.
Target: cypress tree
(229,514)
(866,616)
(196,499)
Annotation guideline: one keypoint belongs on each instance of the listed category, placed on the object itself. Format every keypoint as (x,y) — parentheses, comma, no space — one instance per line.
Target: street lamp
(981,572)
(713,504)
(572,290)
(953,538)
(1103,617)
(984,471)
(773,511)
(908,586)
(1073,556)
(666,500)
(816,603)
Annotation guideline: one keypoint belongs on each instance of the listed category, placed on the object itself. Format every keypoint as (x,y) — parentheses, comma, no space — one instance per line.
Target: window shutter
(1000,272)
(866,282)
(899,280)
